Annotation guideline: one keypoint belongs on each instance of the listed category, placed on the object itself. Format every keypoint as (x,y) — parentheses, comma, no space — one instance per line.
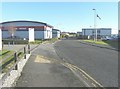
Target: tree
(11,29)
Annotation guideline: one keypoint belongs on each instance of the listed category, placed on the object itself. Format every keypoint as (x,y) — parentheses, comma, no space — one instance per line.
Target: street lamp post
(95,29)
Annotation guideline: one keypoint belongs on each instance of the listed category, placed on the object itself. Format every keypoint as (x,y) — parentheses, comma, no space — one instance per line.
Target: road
(101,64)
(41,71)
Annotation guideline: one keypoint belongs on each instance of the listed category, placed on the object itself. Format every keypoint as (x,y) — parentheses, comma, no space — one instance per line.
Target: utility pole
(95,29)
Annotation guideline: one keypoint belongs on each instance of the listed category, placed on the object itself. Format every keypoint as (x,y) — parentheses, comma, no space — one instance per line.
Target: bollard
(9,45)
(24,53)
(15,60)
(13,43)
(28,48)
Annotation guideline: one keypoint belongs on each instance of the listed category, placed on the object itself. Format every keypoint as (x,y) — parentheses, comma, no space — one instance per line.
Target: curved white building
(22,29)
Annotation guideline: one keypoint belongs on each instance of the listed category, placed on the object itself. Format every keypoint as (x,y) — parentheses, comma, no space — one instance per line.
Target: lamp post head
(94,9)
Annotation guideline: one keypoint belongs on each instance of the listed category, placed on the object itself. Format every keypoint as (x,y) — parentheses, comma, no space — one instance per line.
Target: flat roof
(96,28)
(56,29)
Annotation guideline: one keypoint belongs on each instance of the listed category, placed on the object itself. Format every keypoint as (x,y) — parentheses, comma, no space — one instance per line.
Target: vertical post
(9,45)
(41,40)
(13,43)
(24,53)
(28,48)
(0,39)
(95,29)
(15,59)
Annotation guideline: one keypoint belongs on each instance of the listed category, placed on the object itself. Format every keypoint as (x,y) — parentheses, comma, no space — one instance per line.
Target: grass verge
(36,42)
(8,63)
(113,43)
(52,40)
(96,42)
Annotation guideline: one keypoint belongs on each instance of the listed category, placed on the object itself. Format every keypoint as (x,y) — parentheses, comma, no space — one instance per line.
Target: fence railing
(12,64)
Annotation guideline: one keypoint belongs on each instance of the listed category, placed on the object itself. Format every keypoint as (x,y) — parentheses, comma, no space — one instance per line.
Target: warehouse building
(55,33)
(26,29)
(101,32)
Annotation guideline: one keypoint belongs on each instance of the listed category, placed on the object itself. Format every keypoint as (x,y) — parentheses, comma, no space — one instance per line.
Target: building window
(93,31)
(98,31)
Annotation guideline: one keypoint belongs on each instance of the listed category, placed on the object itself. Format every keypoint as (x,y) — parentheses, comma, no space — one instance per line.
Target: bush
(11,41)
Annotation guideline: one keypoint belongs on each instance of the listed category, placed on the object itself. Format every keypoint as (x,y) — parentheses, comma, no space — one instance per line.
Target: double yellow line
(87,77)
(83,76)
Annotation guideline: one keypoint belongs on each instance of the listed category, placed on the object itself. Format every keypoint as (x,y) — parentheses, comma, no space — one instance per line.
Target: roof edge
(27,21)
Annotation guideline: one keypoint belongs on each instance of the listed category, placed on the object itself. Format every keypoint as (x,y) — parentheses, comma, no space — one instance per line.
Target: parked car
(107,38)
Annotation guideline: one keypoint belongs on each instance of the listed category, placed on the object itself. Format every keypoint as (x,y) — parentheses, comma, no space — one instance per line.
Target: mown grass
(113,43)
(7,63)
(36,42)
(96,42)
(6,53)
(52,40)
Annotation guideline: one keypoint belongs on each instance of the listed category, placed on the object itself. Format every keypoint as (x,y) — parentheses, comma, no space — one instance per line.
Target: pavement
(43,70)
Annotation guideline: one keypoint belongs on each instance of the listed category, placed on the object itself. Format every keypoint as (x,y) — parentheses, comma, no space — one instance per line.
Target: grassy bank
(53,40)
(113,43)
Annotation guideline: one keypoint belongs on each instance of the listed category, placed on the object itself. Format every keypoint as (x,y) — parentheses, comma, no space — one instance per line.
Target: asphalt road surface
(38,73)
(101,64)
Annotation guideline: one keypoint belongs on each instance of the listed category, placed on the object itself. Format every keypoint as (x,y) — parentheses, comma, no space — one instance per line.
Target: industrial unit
(21,29)
(56,33)
(101,32)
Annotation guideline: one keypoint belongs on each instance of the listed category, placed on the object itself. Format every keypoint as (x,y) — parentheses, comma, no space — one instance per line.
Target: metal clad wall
(55,33)
(87,32)
(41,30)
(105,32)
(22,34)
(39,34)
(5,34)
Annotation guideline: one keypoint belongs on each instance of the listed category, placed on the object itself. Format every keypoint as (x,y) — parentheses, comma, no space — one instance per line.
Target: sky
(65,16)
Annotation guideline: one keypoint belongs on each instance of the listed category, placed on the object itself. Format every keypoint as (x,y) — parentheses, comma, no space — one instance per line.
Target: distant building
(65,33)
(21,29)
(79,33)
(119,32)
(55,33)
(101,32)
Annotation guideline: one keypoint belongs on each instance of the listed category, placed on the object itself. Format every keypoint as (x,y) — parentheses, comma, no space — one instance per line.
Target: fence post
(28,48)
(15,58)
(24,53)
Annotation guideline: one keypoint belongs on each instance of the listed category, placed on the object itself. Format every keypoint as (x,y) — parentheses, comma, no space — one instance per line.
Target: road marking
(73,68)
(88,76)
(84,74)
(41,59)
(86,84)
(94,85)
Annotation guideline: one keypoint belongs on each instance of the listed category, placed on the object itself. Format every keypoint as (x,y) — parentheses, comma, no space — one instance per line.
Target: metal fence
(14,58)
